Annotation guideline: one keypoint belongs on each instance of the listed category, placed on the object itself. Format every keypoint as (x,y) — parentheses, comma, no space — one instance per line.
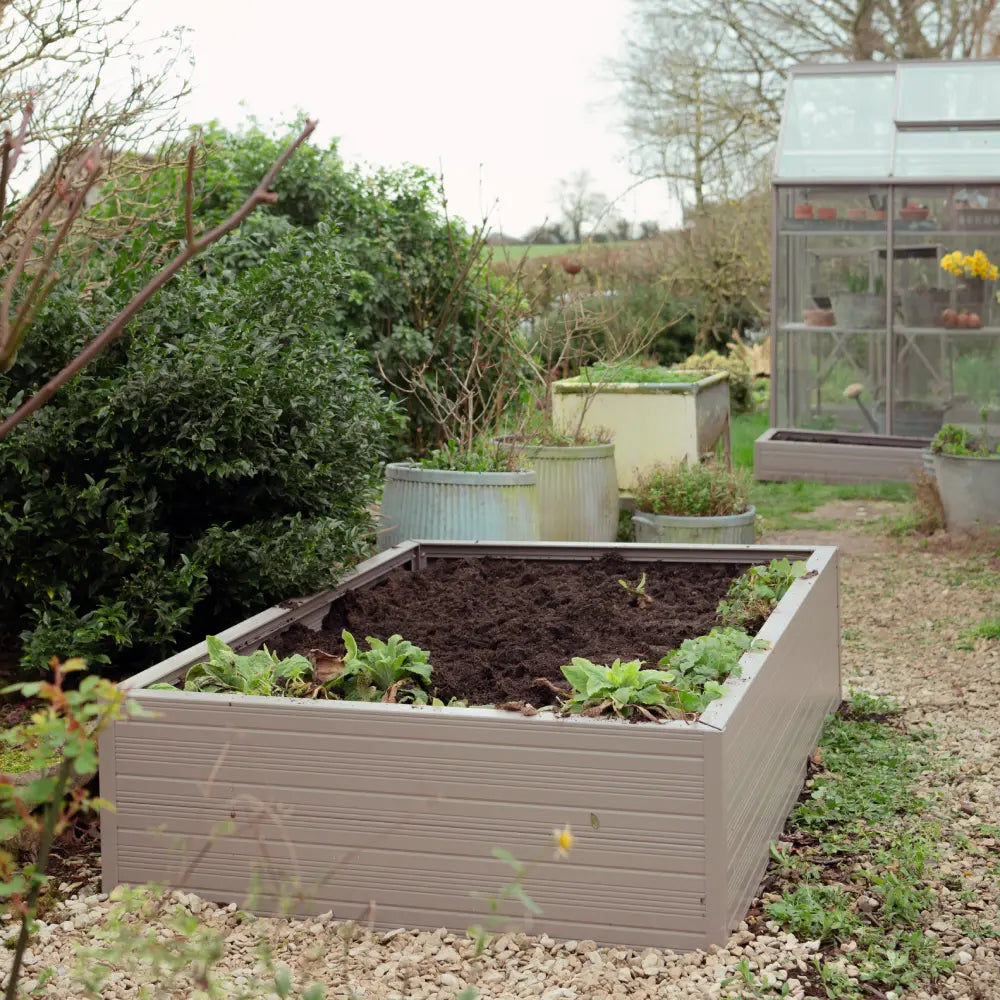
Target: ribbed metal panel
(353,805)
(461,506)
(402,807)
(775,726)
(577,492)
(733,529)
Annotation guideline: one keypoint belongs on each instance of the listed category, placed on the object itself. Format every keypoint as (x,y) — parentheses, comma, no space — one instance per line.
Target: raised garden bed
(392,811)
(782,455)
(650,422)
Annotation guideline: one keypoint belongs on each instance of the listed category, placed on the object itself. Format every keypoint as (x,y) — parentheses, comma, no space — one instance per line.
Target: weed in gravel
(856,865)
(989,628)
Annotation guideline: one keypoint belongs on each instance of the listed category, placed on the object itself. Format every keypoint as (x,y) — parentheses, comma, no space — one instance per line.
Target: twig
(259,196)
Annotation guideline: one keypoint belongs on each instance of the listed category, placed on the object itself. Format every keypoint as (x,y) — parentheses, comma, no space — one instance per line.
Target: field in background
(518,251)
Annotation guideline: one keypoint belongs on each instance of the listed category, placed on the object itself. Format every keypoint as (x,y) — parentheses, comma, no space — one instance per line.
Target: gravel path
(906,642)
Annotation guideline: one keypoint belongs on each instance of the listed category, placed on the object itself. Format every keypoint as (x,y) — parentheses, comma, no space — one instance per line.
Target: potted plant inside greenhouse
(862,305)
(693,503)
(967,469)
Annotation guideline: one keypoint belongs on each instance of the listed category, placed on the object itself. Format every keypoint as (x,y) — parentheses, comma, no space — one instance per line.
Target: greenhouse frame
(884,172)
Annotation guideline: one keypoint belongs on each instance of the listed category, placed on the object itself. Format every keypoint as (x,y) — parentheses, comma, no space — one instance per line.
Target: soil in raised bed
(493,626)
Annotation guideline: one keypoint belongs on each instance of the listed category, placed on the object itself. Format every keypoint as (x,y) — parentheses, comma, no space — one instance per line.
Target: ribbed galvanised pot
(728,529)
(577,491)
(970,491)
(460,506)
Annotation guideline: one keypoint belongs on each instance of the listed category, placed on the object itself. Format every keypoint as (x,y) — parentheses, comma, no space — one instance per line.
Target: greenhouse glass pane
(838,126)
(948,154)
(950,92)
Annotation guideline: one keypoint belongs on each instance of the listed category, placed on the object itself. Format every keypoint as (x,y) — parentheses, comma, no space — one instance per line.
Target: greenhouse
(886,231)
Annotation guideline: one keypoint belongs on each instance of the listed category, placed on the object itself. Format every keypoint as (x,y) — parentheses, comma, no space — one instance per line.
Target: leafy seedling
(391,671)
(638,591)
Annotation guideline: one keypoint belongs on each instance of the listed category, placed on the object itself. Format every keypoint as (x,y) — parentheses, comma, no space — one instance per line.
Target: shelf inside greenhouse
(883,172)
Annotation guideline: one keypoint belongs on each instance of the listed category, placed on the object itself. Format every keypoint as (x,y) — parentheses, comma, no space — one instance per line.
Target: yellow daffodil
(974,265)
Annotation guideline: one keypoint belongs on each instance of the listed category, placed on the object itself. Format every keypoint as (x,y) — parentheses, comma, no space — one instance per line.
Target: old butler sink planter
(391,812)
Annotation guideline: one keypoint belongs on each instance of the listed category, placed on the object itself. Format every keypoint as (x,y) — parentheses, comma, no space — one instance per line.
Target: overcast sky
(506,98)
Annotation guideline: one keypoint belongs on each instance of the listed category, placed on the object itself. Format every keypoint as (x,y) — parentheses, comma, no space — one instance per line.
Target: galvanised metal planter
(650,422)
(462,506)
(577,490)
(732,529)
(391,812)
(970,491)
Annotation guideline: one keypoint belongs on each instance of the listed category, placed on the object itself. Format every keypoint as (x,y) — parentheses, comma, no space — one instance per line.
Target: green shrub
(221,456)
(692,490)
(740,378)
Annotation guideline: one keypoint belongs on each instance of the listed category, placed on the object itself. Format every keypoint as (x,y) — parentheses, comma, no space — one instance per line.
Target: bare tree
(702,80)
(580,203)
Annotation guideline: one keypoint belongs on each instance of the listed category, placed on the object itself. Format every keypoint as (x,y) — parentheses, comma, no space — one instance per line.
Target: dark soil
(492,626)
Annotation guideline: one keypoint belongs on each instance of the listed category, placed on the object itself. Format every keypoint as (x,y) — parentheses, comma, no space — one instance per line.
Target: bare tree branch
(262,194)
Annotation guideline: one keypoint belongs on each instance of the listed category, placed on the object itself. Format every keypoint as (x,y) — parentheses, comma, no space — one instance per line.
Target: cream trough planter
(650,422)
(392,812)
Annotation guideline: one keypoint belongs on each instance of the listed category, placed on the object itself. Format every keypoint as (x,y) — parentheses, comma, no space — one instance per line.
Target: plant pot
(650,422)
(577,490)
(358,803)
(859,310)
(733,529)
(819,317)
(880,215)
(827,214)
(914,213)
(970,491)
(804,211)
(857,214)
(466,506)
(923,306)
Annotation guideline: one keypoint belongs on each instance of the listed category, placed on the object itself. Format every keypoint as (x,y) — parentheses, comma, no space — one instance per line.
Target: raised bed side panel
(392,813)
(775,727)
(780,457)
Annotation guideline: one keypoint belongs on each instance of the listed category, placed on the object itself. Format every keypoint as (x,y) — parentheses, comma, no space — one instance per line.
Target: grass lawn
(781,504)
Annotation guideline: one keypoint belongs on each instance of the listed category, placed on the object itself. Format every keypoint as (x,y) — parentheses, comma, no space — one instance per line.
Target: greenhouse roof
(876,122)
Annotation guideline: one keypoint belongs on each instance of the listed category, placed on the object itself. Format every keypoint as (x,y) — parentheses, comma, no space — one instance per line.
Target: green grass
(860,834)
(632,373)
(781,503)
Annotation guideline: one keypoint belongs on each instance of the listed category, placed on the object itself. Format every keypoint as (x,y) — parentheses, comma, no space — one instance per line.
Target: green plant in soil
(858,858)
(637,590)
(689,684)
(259,673)
(692,490)
(955,440)
(622,689)
(753,595)
(482,457)
(989,628)
(394,670)
(629,372)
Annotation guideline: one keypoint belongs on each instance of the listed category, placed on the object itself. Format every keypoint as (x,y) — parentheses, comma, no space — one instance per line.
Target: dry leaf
(326,666)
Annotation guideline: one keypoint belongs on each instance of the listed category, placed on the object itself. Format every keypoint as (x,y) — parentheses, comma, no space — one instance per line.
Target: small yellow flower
(563,841)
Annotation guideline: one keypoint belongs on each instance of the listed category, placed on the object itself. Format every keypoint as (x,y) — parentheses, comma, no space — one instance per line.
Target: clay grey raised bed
(392,811)
(783,455)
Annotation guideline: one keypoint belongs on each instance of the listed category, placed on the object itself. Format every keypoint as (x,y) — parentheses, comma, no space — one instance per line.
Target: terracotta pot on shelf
(914,213)
(827,214)
(804,211)
(818,317)
(858,214)
(880,215)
